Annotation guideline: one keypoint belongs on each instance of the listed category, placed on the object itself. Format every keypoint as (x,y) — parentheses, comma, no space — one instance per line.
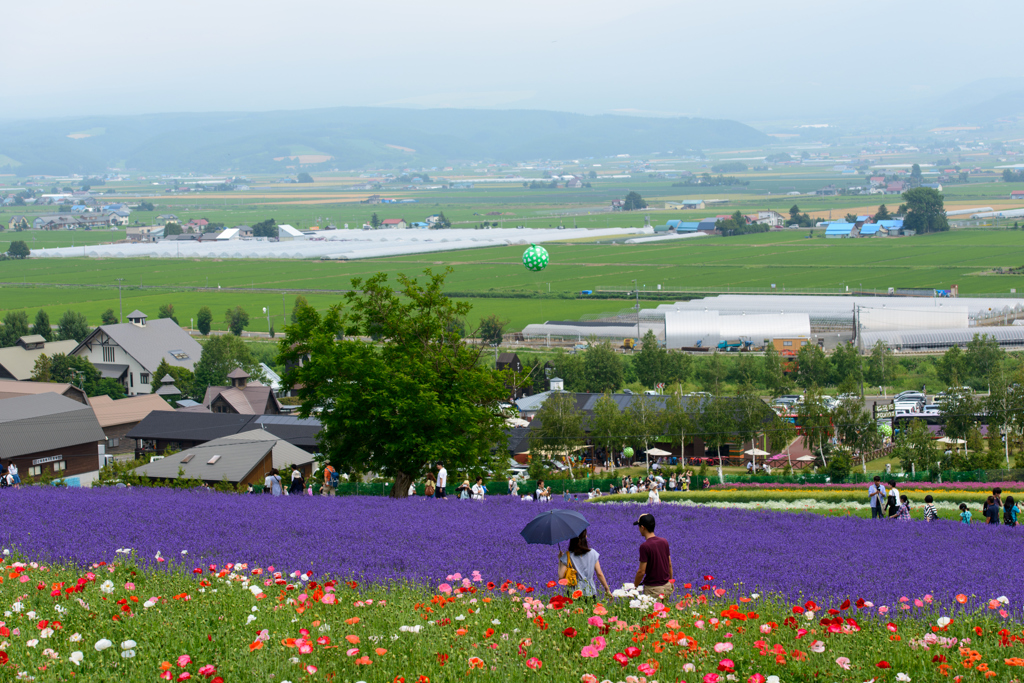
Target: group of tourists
(580,566)
(273,484)
(889,503)
(9,475)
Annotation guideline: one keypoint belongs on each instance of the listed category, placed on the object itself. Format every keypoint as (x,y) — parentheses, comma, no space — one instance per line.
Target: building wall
(135,385)
(793,344)
(124,445)
(78,459)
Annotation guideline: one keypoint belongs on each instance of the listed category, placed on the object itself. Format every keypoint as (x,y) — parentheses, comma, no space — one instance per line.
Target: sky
(748,60)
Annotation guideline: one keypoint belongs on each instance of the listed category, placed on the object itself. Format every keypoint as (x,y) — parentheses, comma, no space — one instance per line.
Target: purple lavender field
(381,540)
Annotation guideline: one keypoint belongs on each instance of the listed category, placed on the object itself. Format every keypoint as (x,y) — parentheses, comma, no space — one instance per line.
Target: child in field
(903,513)
(1010,512)
(965,514)
(991,510)
(930,513)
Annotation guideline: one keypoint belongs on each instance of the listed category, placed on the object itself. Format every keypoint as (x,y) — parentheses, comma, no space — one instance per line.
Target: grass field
(786,259)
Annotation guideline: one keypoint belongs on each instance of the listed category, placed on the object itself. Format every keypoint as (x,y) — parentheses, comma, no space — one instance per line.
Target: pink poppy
(844,662)
(589,651)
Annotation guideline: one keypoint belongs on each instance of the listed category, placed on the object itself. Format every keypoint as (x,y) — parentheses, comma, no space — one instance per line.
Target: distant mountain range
(346,138)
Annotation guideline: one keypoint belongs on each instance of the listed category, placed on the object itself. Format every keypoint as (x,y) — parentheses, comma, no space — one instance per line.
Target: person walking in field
(428,485)
(930,513)
(655,570)
(965,514)
(442,481)
(1010,512)
(513,486)
(584,563)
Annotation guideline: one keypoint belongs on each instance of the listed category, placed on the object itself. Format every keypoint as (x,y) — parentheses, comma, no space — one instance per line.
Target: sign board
(885,411)
(659,385)
(43,461)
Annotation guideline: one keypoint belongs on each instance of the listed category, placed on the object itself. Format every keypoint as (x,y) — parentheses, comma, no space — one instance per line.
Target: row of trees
(71,325)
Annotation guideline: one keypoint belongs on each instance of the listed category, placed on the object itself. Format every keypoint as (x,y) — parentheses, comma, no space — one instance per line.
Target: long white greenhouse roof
(341,244)
(832,307)
(942,338)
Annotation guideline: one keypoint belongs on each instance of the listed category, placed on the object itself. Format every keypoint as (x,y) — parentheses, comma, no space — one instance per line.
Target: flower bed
(948,499)
(240,622)
(423,540)
(908,485)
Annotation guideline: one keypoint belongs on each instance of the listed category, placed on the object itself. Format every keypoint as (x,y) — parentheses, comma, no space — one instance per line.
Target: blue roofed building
(890,226)
(869,230)
(688,226)
(839,229)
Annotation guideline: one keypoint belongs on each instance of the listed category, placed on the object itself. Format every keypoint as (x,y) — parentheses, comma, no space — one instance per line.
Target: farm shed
(839,229)
(1011,337)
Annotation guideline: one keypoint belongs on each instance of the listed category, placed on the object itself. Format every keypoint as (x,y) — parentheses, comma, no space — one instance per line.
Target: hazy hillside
(355,137)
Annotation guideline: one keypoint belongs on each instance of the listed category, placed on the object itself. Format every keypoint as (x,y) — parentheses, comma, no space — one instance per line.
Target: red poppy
(622,659)
(442,658)
(632,652)
(860,603)
(883,665)
(569,632)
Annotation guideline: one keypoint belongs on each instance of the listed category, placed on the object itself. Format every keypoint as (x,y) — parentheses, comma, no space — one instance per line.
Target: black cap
(646,521)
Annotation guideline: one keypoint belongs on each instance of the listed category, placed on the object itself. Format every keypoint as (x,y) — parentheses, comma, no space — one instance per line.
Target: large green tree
(167,311)
(634,202)
(557,431)
(491,330)
(915,449)
(419,394)
(300,303)
(267,228)
(812,366)
(41,326)
(847,365)
(681,424)
(76,370)
(203,320)
(608,425)
(108,317)
(73,325)
(184,380)
(237,320)
(717,425)
(644,424)
(952,366)
(18,249)
(222,354)
(883,368)
(603,368)
(773,377)
(15,326)
(815,421)
(925,210)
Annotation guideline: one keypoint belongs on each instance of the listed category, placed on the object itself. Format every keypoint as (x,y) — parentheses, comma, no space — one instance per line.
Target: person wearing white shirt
(478,489)
(442,481)
(412,489)
(633,489)
(653,497)
(513,486)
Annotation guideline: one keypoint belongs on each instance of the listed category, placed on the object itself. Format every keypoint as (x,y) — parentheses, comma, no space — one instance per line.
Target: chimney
(556,384)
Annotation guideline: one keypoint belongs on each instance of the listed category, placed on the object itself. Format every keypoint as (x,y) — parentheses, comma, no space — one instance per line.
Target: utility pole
(120,304)
(636,290)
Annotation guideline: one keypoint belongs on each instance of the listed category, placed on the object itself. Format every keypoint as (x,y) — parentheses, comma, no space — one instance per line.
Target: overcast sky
(741,59)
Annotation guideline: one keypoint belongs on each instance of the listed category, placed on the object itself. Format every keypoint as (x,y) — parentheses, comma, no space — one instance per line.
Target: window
(112,443)
(108,354)
(178,354)
(35,471)
(785,343)
(60,466)
(131,379)
(143,378)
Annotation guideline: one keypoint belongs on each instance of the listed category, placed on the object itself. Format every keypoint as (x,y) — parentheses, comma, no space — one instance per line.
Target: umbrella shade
(658,452)
(554,526)
(806,458)
(949,440)
(756,451)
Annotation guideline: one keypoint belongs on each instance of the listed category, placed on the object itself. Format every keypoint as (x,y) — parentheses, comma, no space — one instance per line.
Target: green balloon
(628,452)
(535,258)
(885,429)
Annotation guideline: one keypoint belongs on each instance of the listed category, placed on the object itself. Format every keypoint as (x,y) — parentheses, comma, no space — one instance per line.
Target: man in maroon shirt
(655,572)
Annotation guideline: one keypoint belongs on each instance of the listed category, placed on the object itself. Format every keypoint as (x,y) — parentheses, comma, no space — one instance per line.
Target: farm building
(117,418)
(10,388)
(241,397)
(394,223)
(238,458)
(180,429)
(687,204)
(1017,194)
(18,361)
(52,432)
(839,230)
(287,233)
(131,352)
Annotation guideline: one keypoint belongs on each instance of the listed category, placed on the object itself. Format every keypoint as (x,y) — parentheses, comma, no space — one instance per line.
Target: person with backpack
(580,566)
(1010,512)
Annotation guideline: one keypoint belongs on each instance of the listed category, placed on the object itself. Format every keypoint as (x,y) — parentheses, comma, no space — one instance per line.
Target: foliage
(203,320)
(15,326)
(644,423)
(653,364)
(171,229)
(711,372)
(417,395)
(925,211)
(1011,176)
(737,225)
(108,317)
(222,354)
(265,228)
(846,364)
(304,178)
(812,366)
(633,202)
(300,302)
(167,311)
(883,369)
(729,167)
(772,375)
(237,320)
(73,325)
(78,371)
(815,422)
(608,425)
(958,412)
(882,214)
(184,380)
(557,429)
(914,448)
(18,249)
(802,220)
(41,326)
(491,330)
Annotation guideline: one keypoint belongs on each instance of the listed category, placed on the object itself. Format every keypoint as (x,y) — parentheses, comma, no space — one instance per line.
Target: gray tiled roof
(43,422)
(20,362)
(153,343)
(237,459)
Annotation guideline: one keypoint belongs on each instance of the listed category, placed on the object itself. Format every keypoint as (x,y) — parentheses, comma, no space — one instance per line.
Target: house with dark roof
(182,429)
(18,361)
(47,431)
(118,417)
(240,459)
(241,397)
(19,222)
(131,352)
